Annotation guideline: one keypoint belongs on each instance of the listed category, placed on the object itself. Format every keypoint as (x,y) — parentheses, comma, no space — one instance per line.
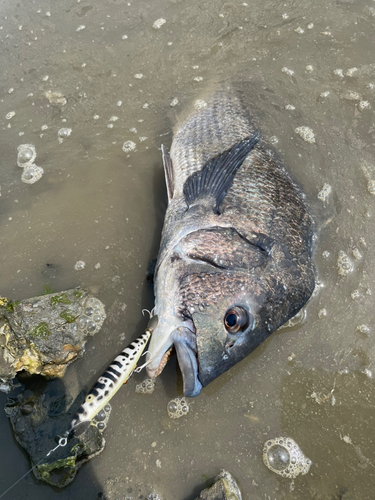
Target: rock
(224,488)
(37,418)
(44,334)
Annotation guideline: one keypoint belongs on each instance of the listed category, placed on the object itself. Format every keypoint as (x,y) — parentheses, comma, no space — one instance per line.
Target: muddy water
(297,64)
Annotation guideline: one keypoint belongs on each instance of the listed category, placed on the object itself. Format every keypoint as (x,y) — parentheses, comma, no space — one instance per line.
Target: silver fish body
(235,260)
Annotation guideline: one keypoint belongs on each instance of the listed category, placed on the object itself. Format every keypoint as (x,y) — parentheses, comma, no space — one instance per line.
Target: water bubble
(128,146)
(364,105)
(306,133)
(200,104)
(89,311)
(91,326)
(284,457)
(82,322)
(172,407)
(146,387)
(100,416)
(31,174)
(344,264)
(101,419)
(159,23)
(288,71)
(10,115)
(324,192)
(63,133)
(278,457)
(177,408)
(79,265)
(56,98)
(26,154)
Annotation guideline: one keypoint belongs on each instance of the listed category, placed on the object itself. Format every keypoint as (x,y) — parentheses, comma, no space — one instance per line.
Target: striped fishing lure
(116,374)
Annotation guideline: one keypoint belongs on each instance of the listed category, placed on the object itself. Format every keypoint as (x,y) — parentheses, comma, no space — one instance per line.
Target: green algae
(40,331)
(61,298)
(69,318)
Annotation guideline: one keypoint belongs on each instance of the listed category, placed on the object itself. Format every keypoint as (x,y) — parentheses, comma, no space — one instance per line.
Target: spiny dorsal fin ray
(168,172)
(216,177)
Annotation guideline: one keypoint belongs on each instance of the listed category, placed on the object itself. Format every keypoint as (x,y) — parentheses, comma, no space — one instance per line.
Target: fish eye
(236,320)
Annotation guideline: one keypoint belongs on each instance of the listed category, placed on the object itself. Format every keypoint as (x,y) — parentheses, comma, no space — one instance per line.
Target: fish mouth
(185,343)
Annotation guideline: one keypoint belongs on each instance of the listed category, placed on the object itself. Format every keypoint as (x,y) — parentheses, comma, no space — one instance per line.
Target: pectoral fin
(217,176)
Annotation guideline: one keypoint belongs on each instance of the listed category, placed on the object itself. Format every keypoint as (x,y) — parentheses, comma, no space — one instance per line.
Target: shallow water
(95,203)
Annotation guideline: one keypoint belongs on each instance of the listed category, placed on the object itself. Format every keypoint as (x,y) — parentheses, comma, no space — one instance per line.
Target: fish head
(216,307)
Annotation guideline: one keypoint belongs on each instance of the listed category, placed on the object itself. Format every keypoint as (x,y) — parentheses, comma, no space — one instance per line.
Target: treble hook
(140,368)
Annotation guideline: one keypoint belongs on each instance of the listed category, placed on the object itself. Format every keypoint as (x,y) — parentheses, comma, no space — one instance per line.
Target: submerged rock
(37,418)
(44,334)
(224,488)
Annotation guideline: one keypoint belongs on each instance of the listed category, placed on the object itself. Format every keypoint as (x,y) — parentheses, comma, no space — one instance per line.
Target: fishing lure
(110,381)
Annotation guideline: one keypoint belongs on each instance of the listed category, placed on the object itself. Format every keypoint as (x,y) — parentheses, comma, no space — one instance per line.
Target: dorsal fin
(168,172)
(217,175)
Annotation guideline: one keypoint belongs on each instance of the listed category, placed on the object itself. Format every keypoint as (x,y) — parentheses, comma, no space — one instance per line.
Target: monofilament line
(62,442)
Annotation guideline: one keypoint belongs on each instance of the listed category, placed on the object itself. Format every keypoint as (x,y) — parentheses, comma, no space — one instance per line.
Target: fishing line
(62,442)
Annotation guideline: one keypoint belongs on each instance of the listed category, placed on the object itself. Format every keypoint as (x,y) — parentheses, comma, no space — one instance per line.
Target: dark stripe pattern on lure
(115,375)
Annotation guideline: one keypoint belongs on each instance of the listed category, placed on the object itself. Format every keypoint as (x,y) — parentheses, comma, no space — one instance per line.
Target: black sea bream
(235,259)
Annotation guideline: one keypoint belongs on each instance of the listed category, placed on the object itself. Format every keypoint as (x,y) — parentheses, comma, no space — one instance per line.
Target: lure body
(116,374)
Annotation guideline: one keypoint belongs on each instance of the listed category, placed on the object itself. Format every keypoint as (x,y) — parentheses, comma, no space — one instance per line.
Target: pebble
(309,68)
(306,133)
(79,265)
(159,23)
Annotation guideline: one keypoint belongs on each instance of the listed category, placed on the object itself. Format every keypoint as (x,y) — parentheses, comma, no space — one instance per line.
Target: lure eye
(89,398)
(236,320)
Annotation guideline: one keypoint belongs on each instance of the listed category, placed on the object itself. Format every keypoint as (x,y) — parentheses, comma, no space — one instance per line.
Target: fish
(236,253)
(110,381)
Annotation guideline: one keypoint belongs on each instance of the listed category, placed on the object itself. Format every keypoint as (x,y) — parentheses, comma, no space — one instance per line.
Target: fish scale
(237,243)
